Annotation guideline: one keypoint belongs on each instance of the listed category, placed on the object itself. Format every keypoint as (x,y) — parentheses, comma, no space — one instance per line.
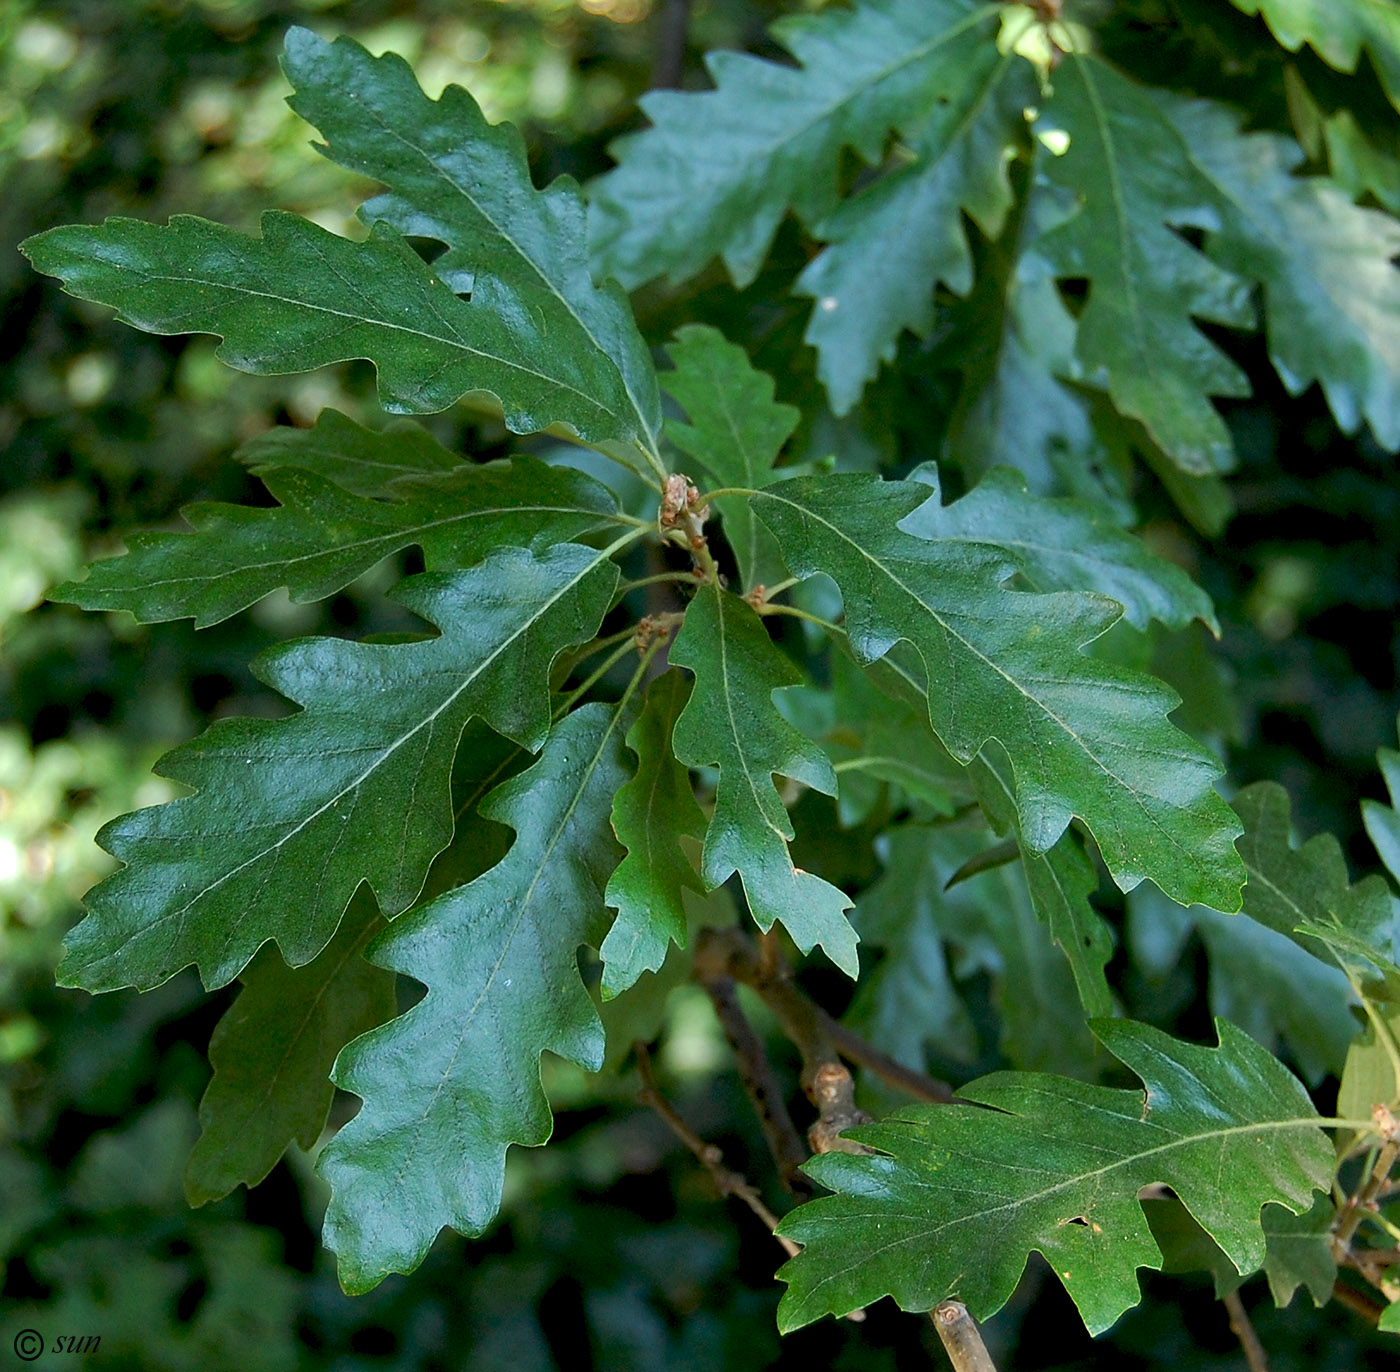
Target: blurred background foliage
(612,1251)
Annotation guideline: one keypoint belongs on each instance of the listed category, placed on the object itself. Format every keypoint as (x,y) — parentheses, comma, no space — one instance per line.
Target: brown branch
(1358,1301)
(760,1083)
(855,1049)
(1244,1331)
(961,1339)
(669,65)
(728,1182)
(818,1037)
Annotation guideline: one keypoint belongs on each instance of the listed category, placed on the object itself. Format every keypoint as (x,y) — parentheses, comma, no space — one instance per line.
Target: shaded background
(612,1250)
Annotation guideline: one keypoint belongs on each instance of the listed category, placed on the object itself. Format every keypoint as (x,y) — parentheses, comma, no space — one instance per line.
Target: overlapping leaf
(731,723)
(1085,737)
(718,170)
(1260,980)
(987,926)
(521,254)
(650,814)
(1012,340)
(272,1054)
(1337,31)
(1060,882)
(299,297)
(889,245)
(1289,887)
(320,537)
(959,1197)
(1331,289)
(364,461)
(1130,174)
(1064,545)
(1383,821)
(736,432)
(450,1085)
(291,815)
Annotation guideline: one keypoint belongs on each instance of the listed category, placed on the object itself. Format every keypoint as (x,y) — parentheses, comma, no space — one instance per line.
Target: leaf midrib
(1034,1198)
(454,341)
(643,428)
(384,755)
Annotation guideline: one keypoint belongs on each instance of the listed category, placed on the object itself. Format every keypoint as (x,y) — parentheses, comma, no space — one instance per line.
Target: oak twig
(669,64)
(1358,1301)
(730,1183)
(760,1083)
(961,1339)
(1244,1331)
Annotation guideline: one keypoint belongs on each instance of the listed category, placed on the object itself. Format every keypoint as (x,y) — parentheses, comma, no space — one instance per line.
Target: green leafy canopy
(787,662)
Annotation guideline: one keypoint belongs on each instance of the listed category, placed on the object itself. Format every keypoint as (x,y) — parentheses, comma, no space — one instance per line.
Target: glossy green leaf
(1064,545)
(1338,30)
(520,254)
(450,1085)
(1130,175)
(891,244)
(291,815)
(1289,886)
(736,432)
(1060,882)
(731,723)
(959,1197)
(1331,289)
(272,1054)
(298,298)
(1085,737)
(718,170)
(364,461)
(650,815)
(320,537)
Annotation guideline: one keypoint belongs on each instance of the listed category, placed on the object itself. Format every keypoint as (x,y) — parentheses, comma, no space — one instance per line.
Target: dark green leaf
(292,815)
(1130,175)
(1357,165)
(1060,882)
(960,1196)
(363,461)
(908,1001)
(650,814)
(299,298)
(1012,340)
(1085,737)
(889,245)
(1337,32)
(272,1054)
(521,254)
(718,170)
(450,1085)
(1331,290)
(736,432)
(320,537)
(1260,980)
(1064,545)
(1383,821)
(1289,886)
(731,723)
(1300,1252)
